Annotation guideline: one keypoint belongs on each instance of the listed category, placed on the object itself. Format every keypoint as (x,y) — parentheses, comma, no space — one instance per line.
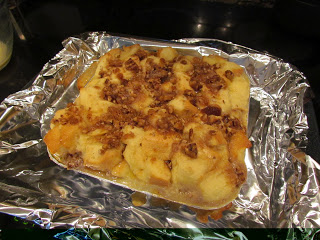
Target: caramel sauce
(138,199)
(216,214)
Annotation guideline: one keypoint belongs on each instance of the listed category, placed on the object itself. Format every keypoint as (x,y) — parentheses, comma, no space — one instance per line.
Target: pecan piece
(115,63)
(74,159)
(212,110)
(229,74)
(131,65)
(191,150)
(196,85)
(141,54)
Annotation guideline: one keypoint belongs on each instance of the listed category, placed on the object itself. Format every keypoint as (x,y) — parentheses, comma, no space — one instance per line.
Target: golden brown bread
(159,122)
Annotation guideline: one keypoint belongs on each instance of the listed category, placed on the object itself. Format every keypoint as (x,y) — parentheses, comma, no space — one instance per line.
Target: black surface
(278,30)
(284,28)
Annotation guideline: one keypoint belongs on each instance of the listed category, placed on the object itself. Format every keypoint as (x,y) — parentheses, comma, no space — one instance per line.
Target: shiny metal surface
(282,188)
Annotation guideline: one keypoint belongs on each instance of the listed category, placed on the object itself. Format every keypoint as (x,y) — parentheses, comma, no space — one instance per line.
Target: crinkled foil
(282,189)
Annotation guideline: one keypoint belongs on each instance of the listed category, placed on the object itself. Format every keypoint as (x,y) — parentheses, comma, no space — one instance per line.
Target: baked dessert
(159,122)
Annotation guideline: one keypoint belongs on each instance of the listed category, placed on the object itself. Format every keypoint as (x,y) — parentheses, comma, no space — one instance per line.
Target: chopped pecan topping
(121,94)
(196,85)
(226,119)
(121,116)
(73,120)
(212,110)
(229,74)
(115,63)
(168,122)
(191,150)
(232,123)
(120,76)
(162,123)
(158,73)
(116,70)
(112,123)
(193,101)
(212,78)
(72,116)
(131,65)
(205,74)
(74,159)
(153,83)
(191,96)
(110,142)
(166,97)
(124,82)
(155,71)
(235,123)
(141,54)
(141,122)
(162,62)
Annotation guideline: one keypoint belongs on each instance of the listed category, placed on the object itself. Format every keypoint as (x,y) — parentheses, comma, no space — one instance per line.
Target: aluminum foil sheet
(282,189)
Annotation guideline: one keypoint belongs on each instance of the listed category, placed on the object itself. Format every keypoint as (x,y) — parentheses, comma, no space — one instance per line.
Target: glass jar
(6,34)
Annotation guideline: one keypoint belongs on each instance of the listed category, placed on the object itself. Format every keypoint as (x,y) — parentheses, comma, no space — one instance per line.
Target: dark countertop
(281,28)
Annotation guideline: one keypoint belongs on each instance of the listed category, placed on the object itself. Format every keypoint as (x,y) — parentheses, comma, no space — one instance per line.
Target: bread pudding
(159,122)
